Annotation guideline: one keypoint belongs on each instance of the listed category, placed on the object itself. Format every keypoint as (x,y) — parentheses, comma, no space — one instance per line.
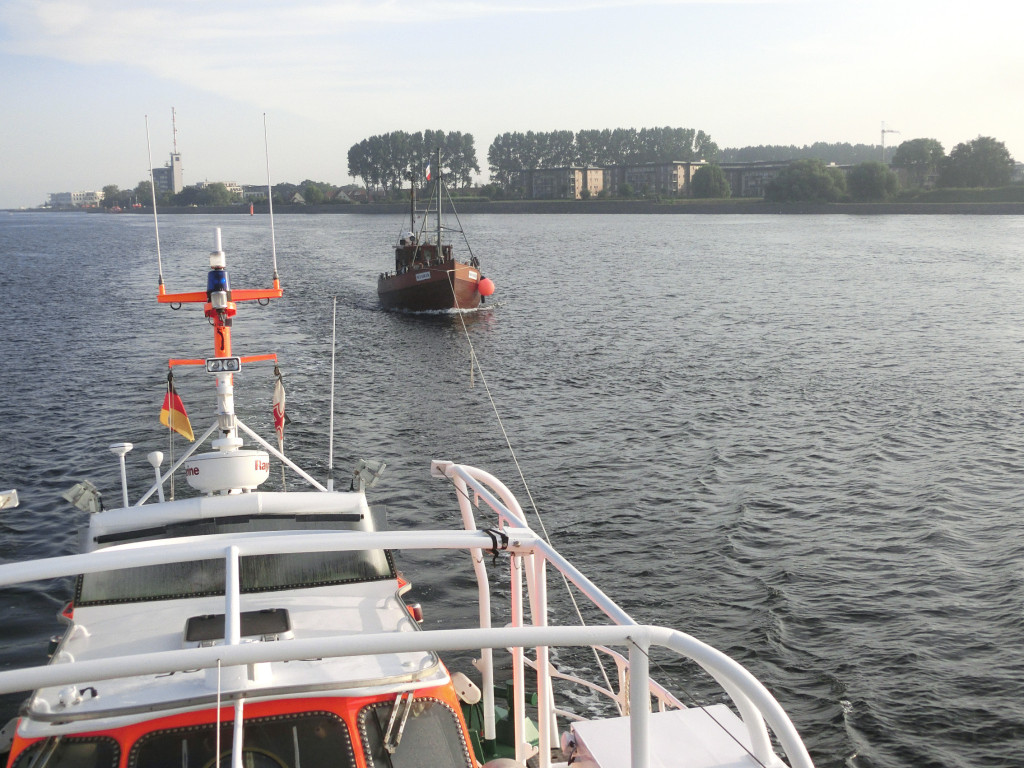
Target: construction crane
(885,131)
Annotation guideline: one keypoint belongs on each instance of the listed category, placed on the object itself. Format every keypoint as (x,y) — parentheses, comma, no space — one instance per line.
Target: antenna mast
(885,131)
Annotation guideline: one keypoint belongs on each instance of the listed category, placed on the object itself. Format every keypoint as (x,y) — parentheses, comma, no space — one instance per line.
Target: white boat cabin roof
(283,597)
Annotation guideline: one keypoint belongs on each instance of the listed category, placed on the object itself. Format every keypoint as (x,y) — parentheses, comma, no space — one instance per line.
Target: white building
(75,199)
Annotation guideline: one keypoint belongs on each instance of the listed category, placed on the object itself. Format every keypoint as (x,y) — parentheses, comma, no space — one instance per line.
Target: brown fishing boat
(427,276)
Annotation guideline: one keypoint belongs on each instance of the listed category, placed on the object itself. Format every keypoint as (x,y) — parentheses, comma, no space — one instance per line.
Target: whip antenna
(156,226)
(270,198)
(330,427)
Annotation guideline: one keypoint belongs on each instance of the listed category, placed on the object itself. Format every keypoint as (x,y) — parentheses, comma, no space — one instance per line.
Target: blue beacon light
(217,280)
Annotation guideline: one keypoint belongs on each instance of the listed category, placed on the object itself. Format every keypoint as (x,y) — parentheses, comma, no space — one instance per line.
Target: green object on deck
(503,745)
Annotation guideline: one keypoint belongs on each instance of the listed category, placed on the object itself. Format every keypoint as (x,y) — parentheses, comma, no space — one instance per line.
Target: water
(796,438)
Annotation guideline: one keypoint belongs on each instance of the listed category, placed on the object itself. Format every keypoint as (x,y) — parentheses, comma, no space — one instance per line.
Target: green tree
(871,182)
(211,194)
(842,153)
(710,181)
(982,162)
(144,193)
(458,155)
(360,164)
(283,192)
(806,181)
(313,194)
(111,196)
(626,190)
(920,159)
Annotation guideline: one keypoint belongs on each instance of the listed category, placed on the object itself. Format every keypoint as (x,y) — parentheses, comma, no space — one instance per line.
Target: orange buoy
(485,286)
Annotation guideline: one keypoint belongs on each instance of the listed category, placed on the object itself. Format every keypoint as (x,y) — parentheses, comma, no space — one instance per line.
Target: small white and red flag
(279,415)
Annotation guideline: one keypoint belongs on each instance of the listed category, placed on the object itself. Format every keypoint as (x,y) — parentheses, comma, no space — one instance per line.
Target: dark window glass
(428,736)
(262,573)
(307,740)
(70,752)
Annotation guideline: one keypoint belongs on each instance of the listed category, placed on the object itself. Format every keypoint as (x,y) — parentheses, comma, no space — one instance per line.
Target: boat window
(258,573)
(70,752)
(310,739)
(428,734)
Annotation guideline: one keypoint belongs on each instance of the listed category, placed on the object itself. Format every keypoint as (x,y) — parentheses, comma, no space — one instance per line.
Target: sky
(301,81)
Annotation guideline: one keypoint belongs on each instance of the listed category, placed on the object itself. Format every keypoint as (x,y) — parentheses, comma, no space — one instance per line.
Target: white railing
(529,558)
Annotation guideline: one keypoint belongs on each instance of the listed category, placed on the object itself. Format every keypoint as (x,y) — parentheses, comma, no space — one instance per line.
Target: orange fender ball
(485,286)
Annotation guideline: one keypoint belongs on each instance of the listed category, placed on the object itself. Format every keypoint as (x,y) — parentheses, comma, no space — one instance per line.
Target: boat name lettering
(192,471)
(422,276)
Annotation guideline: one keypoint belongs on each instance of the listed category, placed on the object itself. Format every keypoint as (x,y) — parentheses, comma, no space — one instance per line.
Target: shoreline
(591,207)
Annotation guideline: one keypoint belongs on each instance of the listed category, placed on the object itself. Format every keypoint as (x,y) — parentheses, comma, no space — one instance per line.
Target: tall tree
(502,160)
(871,182)
(806,181)
(920,158)
(710,181)
(111,196)
(359,163)
(144,193)
(459,156)
(982,162)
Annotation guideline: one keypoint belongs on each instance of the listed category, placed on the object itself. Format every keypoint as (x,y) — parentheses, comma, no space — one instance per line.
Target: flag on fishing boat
(173,413)
(280,419)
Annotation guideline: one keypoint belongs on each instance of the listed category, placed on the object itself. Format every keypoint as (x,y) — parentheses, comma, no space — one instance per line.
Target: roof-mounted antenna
(330,421)
(270,202)
(156,226)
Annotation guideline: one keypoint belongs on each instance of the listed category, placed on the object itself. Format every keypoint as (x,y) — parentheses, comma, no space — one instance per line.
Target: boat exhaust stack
(156,458)
(119,450)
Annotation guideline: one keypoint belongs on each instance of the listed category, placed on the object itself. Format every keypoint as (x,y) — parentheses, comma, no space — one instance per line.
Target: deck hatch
(271,621)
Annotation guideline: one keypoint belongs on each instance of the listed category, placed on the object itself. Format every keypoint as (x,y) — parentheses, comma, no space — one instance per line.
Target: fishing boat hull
(449,285)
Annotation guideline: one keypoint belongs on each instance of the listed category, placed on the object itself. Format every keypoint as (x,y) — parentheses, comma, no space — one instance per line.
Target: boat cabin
(409,255)
(385,710)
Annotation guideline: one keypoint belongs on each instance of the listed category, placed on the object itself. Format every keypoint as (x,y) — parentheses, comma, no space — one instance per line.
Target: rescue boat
(252,628)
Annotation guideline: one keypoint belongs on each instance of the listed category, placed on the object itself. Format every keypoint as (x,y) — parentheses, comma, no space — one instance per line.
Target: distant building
(75,199)
(567,183)
(168,178)
(751,179)
(231,186)
(671,179)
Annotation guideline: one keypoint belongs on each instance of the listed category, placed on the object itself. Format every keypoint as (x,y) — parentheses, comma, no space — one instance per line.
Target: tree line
(983,162)
(840,153)
(512,153)
(218,194)
(390,161)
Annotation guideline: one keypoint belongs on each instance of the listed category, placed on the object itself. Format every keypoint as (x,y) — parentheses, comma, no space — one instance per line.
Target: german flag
(173,413)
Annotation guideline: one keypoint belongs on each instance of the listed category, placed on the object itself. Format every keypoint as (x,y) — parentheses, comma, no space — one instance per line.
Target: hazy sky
(79,77)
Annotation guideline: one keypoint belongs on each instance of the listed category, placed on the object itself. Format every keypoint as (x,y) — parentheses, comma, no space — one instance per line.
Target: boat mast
(437,163)
(220,310)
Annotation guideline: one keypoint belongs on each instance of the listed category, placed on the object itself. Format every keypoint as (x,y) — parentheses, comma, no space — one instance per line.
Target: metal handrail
(754,703)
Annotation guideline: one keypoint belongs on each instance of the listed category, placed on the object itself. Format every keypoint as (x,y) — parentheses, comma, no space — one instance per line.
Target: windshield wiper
(392,738)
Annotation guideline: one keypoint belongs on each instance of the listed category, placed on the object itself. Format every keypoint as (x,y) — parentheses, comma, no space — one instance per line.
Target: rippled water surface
(796,438)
